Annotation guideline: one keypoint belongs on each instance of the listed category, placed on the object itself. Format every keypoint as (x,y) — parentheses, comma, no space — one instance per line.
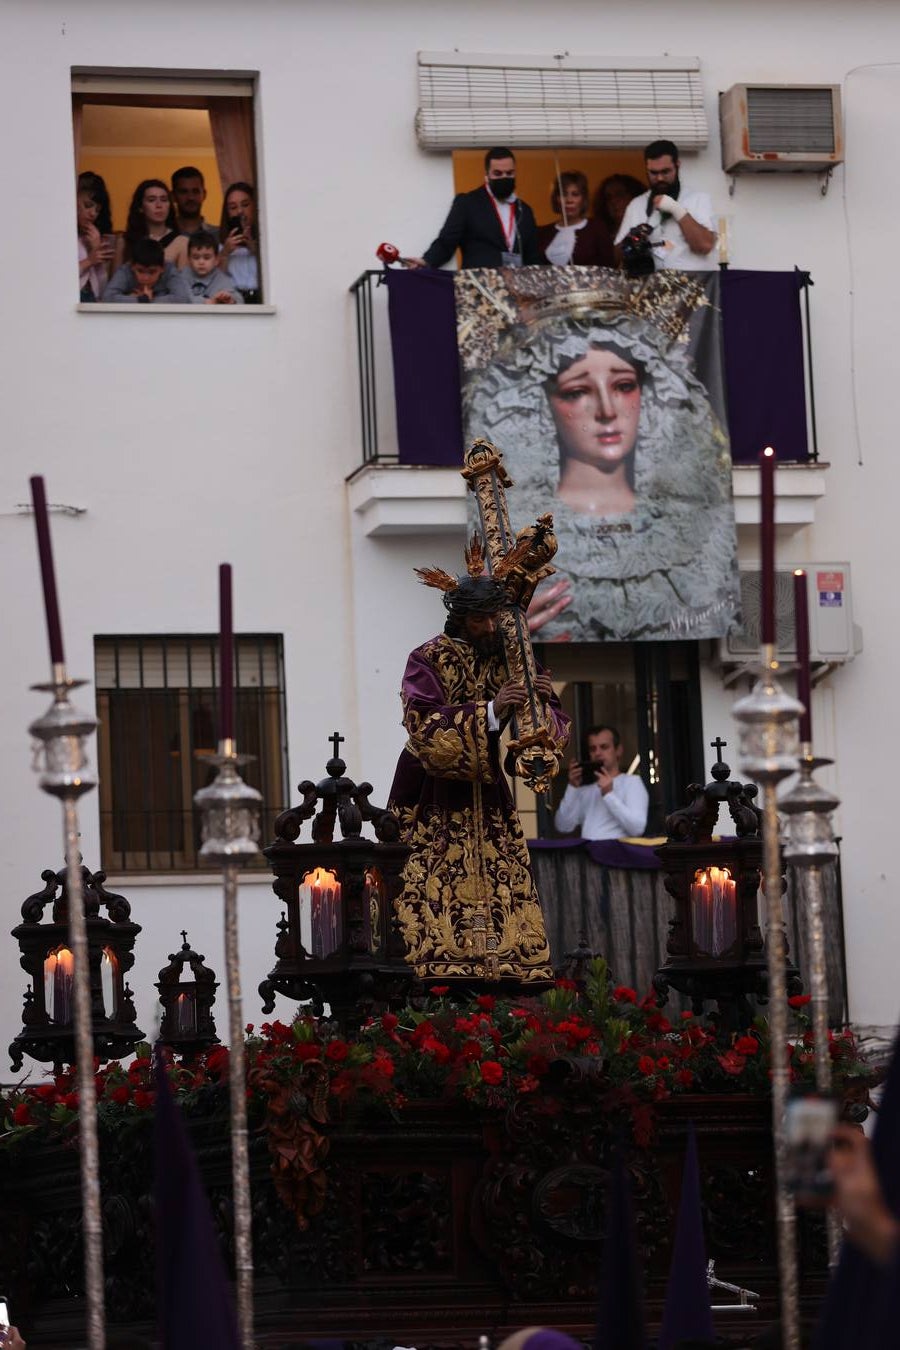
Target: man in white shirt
(682,236)
(614,805)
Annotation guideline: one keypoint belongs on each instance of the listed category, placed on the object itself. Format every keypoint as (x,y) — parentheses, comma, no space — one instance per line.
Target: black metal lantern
(187,1023)
(715,948)
(337,942)
(48,1032)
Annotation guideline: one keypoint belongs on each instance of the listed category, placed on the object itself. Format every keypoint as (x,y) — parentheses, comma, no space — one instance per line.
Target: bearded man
(469,908)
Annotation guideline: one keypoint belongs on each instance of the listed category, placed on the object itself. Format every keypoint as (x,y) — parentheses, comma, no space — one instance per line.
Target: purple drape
(764,372)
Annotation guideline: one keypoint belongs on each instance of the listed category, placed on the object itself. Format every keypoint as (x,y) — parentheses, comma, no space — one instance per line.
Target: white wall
(196,439)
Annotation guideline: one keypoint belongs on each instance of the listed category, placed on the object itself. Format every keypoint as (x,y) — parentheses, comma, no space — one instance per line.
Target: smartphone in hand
(809,1124)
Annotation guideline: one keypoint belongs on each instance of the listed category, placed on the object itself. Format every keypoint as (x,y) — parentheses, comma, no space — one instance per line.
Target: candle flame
(65,961)
(769,451)
(320,876)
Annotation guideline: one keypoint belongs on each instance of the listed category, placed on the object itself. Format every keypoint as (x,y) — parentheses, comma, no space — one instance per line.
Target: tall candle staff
(230,811)
(769,746)
(65,774)
(810,846)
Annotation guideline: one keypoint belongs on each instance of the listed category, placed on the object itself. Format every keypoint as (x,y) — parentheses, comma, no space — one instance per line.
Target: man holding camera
(681,233)
(604,801)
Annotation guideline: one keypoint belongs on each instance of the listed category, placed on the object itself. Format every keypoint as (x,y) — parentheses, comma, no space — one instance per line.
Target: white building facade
(194,438)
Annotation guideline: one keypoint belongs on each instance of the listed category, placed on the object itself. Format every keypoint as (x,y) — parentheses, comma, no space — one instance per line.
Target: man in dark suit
(491,225)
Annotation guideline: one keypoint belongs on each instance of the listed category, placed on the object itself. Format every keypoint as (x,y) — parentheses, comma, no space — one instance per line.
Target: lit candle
(767,544)
(48,578)
(801,624)
(701,914)
(185,1014)
(63,985)
(226,656)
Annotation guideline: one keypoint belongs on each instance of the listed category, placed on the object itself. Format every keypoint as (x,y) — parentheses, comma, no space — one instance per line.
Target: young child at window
(206,282)
(147,279)
(95,250)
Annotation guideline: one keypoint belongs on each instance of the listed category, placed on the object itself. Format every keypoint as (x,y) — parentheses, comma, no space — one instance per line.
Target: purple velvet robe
(468,908)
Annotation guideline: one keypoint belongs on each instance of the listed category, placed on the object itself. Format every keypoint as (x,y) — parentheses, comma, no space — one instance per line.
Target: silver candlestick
(230,831)
(769,750)
(62,762)
(810,845)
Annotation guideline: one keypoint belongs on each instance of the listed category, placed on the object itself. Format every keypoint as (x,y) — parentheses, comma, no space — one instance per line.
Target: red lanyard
(508,234)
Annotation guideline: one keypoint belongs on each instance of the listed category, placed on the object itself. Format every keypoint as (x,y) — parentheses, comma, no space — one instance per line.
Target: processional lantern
(187,1025)
(48,1013)
(337,941)
(715,950)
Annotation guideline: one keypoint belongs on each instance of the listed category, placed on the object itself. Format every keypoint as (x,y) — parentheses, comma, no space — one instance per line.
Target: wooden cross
(336,739)
(719,745)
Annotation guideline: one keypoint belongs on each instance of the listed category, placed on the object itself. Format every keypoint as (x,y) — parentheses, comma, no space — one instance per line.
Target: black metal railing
(363,290)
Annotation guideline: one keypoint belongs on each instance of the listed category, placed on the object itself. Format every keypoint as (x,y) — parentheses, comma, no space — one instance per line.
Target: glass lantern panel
(713,911)
(109,972)
(374,908)
(320,898)
(186,1013)
(59,985)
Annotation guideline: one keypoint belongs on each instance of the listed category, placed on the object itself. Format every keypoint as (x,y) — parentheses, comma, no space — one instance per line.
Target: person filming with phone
(605,802)
(9,1336)
(239,237)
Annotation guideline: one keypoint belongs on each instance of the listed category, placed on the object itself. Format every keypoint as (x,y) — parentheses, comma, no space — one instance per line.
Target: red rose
(305,1050)
(121,1095)
(439,1052)
(249,1029)
(486,1002)
(622,994)
(217,1061)
(491,1072)
(646,1064)
(383,1065)
(143,1100)
(45,1093)
(470,1050)
(337,1051)
(684,1078)
(21,1114)
(439,990)
(389,1021)
(656,1022)
(799,1000)
(663,1063)
(732,1062)
(747,1045)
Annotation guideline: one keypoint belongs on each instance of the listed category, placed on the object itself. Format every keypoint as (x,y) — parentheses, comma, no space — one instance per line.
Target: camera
(637,251)
(808,1125)
(589,768)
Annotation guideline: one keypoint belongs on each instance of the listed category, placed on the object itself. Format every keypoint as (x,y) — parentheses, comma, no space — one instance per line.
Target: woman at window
(96,245)
(574,238)
(239,234)
(151,215)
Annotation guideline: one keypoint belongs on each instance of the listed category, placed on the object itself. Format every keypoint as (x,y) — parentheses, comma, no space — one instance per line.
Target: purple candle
(767,544)
(226,656)
(801,625)
(48,579)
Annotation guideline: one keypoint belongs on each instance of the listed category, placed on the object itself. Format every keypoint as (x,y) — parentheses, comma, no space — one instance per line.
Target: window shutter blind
(467,99)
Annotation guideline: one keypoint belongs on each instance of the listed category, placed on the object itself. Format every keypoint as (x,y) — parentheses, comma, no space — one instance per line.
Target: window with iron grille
(158,704)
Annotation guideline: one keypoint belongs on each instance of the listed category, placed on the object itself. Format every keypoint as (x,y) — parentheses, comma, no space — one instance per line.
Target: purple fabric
(687,1315)
(764,372)
(608,852)
(195,1303)
(764,375)
(422,315)
(551,1340)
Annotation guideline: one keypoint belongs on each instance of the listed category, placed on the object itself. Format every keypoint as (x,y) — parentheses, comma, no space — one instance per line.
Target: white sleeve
(635,212)
(492,718)
(570,812)
(627,804)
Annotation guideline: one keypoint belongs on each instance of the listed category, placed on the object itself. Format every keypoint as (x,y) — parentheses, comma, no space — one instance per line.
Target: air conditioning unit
(833,637)
(787,128)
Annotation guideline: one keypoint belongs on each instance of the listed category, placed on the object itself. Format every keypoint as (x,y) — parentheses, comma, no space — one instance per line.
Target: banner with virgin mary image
(605,395)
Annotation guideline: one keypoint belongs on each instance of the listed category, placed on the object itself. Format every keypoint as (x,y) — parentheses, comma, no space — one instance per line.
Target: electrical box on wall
(786,128)
(833,636)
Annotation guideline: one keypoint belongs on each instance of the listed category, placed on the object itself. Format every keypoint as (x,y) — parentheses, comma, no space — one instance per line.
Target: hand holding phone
(4,1313)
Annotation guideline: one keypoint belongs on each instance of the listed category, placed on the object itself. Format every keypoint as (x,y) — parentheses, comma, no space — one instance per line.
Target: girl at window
(151,215)
(239,233)
(96,246)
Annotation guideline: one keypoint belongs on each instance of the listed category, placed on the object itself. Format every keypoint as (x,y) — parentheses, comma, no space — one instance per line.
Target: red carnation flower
(439,990)
(389,1021)
(383,1065)
(622,994)
(566,984)
(656,1022)
(45,1093)
(143,1100)
(646,1064)
(21,1114)
(305,1050)
(439,1052)
(799,1000)
(470,1050)
(684,1078)
(491,1072)
(486,1002)
(121,1095)
(687,1015)
(663,1063)
(732,1062)
(747,1045)
(337,1051)
(70,1101)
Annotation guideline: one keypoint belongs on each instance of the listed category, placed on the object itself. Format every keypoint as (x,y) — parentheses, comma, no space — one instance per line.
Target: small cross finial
(184,935)
(719,745)
(336,740)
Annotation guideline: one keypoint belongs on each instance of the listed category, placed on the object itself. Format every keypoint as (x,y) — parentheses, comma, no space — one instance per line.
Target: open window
(131,127)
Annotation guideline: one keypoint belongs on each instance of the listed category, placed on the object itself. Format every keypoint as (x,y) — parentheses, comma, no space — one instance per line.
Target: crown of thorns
(471,593)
